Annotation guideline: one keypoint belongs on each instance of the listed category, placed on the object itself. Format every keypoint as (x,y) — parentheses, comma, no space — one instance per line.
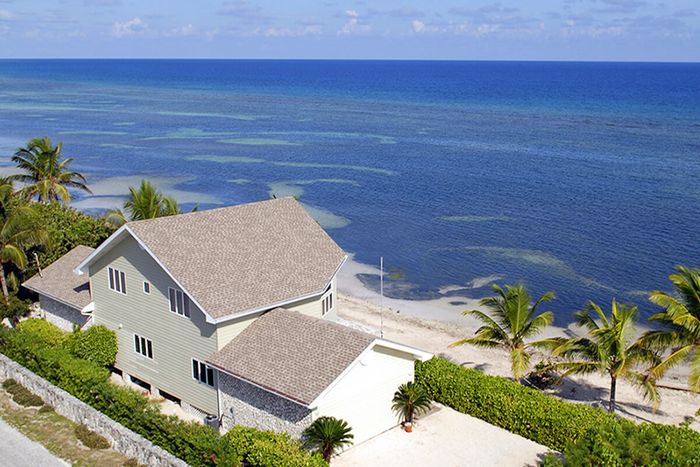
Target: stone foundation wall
(62,315)
(121,438)
(248,405)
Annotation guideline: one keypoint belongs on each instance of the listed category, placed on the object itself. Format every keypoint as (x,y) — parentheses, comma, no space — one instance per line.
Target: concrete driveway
(445,438)
(16,450)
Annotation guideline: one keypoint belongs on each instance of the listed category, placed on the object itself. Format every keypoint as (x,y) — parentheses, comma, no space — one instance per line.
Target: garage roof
(60,283)
(291,354)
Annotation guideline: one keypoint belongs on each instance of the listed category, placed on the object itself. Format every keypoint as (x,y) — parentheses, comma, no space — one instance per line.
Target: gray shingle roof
(58,281)
(292,354)
(244,257)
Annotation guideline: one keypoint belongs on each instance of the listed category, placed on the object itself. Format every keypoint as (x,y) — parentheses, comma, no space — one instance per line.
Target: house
(231,312)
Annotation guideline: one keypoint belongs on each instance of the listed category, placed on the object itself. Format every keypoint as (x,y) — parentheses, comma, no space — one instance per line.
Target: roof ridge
(210,211)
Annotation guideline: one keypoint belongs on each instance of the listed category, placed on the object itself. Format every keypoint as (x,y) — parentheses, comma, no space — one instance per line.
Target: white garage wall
(363,396)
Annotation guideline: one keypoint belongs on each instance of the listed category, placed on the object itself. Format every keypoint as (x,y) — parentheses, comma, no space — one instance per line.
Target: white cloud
(186,30)
(418,26)
(129,28)
(353,24)
(6,15)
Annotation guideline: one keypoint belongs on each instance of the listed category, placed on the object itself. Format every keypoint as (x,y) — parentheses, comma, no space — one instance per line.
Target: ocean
(581,178)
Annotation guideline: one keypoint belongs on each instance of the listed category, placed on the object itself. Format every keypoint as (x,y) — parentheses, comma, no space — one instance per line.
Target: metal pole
(381,294)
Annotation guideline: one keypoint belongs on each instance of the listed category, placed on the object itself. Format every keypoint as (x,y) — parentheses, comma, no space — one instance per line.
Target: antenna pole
(381,296)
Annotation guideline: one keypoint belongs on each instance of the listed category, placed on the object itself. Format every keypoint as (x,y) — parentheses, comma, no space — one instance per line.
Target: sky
(629,30)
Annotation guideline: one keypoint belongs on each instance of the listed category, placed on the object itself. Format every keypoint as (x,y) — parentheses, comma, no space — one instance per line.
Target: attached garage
(287,369)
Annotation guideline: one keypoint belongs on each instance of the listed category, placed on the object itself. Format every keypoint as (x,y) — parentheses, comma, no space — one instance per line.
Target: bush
(11,386)
(544,419)
(632,445)
(90,439)
(14,309)
(67,228)
(196,444)
(43,331)
(586,435)
(98,344)
(46,409)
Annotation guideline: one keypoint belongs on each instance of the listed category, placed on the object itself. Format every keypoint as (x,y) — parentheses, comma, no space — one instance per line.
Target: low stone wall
(121,438)
(248,405)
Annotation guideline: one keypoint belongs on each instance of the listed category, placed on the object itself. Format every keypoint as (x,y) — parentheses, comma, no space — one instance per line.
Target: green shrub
(90,439)
(98,344)
(544,419)
(46,409)
(196,444)
(634,445)
(14,309)
(42,329)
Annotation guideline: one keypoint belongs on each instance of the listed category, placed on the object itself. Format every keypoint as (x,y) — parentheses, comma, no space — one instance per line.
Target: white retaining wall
(121,438)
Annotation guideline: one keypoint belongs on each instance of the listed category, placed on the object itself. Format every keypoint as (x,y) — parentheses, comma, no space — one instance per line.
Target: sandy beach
(434,324)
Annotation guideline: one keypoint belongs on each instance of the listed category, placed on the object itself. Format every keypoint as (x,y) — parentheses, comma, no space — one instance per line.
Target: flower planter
(408,427)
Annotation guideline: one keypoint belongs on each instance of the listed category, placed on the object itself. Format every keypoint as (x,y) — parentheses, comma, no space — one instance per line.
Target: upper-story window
(327,302)
(117,280)
(179,303)
(202,372)
(146,287)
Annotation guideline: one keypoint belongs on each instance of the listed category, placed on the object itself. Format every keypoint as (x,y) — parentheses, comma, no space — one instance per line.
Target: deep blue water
(580,178)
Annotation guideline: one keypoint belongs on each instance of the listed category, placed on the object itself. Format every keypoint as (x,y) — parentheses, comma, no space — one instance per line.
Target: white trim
(146,283)
(111,277)
(88,309)
(209,319)
(207,366)
(416,353)
(218,368)
(139,336)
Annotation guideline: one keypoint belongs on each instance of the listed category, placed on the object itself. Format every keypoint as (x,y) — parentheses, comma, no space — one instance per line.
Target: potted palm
(410,400)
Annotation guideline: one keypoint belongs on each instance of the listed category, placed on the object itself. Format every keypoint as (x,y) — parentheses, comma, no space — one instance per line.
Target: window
(146,288)
(117,280)
(327,303)
(143,346)
(202,372)
(179,303)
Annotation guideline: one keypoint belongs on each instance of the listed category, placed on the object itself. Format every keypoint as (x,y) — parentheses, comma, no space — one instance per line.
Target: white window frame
(116,280)
(327,302)
(143,344)
(198,366)
(147,285)
(185,312)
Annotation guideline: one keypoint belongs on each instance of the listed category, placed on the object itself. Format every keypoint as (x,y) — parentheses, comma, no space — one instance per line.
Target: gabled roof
(241,258)
(291,354)
(59,282)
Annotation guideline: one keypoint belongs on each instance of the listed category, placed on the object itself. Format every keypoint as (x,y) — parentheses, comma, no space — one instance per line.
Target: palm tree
(513,320)
(46,175)
(327,435)
(610,349)
(145,202)
(410,400)
(681,317)
(19,230)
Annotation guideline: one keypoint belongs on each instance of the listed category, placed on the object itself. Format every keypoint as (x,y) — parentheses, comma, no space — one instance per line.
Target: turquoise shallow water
(576,177)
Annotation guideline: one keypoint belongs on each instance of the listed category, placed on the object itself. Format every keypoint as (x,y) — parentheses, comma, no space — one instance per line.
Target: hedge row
(194,443)
(560,425)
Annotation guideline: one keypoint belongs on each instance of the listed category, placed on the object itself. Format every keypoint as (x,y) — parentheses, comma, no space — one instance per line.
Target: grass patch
(21,395)
(90,439)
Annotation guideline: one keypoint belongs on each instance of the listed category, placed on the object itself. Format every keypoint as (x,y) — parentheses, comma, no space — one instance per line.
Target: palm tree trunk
(613,387)
(3,281)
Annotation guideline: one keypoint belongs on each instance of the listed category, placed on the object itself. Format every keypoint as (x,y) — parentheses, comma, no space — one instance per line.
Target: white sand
(411,326)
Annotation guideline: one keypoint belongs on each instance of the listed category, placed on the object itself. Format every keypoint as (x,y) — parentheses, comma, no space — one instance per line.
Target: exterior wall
(363,396)
(176,339)
(248,405)
(226,331)
(62,315)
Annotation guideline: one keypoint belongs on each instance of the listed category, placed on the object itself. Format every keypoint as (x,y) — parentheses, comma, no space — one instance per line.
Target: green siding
(176,339)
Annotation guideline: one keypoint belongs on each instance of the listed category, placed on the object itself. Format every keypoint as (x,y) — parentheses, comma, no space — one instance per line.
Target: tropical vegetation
(144,202)
(327,435)
(610,348)
(45,172)
(410,400)
(512,320)
(681,325)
